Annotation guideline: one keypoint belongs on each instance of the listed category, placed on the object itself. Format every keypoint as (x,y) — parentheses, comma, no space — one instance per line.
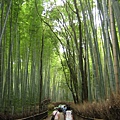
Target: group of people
(66,112)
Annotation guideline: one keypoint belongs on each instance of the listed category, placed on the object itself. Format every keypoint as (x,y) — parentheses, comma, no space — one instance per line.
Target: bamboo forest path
(62,117)
(46,115)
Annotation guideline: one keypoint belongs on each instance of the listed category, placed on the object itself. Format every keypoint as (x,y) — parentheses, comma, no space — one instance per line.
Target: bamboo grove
(65,50)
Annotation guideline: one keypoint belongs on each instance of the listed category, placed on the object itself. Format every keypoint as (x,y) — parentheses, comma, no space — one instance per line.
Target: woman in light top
(69,115)
(57,114)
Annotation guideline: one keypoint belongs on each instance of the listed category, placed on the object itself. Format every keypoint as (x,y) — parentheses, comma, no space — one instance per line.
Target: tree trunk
(41,75)
(115,55)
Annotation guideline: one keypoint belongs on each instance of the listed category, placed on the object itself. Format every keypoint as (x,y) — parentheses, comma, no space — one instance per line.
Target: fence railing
(26,113)
(39,116)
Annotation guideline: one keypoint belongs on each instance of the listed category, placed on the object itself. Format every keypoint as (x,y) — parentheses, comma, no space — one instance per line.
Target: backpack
(53,116)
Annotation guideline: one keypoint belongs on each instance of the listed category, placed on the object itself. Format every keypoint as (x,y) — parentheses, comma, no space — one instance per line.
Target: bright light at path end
(58,2)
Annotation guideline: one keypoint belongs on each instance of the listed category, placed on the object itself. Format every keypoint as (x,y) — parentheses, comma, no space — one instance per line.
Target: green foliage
(83,31)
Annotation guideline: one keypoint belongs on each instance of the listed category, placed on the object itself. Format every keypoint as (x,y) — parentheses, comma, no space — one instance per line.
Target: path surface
(61,117)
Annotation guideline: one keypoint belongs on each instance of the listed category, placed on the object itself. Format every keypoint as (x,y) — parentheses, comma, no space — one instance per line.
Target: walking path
(61,117)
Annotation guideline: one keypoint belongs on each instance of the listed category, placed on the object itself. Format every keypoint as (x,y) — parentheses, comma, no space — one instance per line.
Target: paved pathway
(61,117)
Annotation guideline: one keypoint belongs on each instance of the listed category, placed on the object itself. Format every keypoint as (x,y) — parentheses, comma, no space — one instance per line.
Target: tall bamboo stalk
(115,55)
(108,46)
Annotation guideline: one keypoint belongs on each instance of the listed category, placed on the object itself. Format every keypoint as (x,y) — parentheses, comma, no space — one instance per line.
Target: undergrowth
(107,110)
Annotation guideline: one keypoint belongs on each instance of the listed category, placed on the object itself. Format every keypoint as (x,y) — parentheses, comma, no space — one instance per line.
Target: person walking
(69,115)
(56,114)
(64,111)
